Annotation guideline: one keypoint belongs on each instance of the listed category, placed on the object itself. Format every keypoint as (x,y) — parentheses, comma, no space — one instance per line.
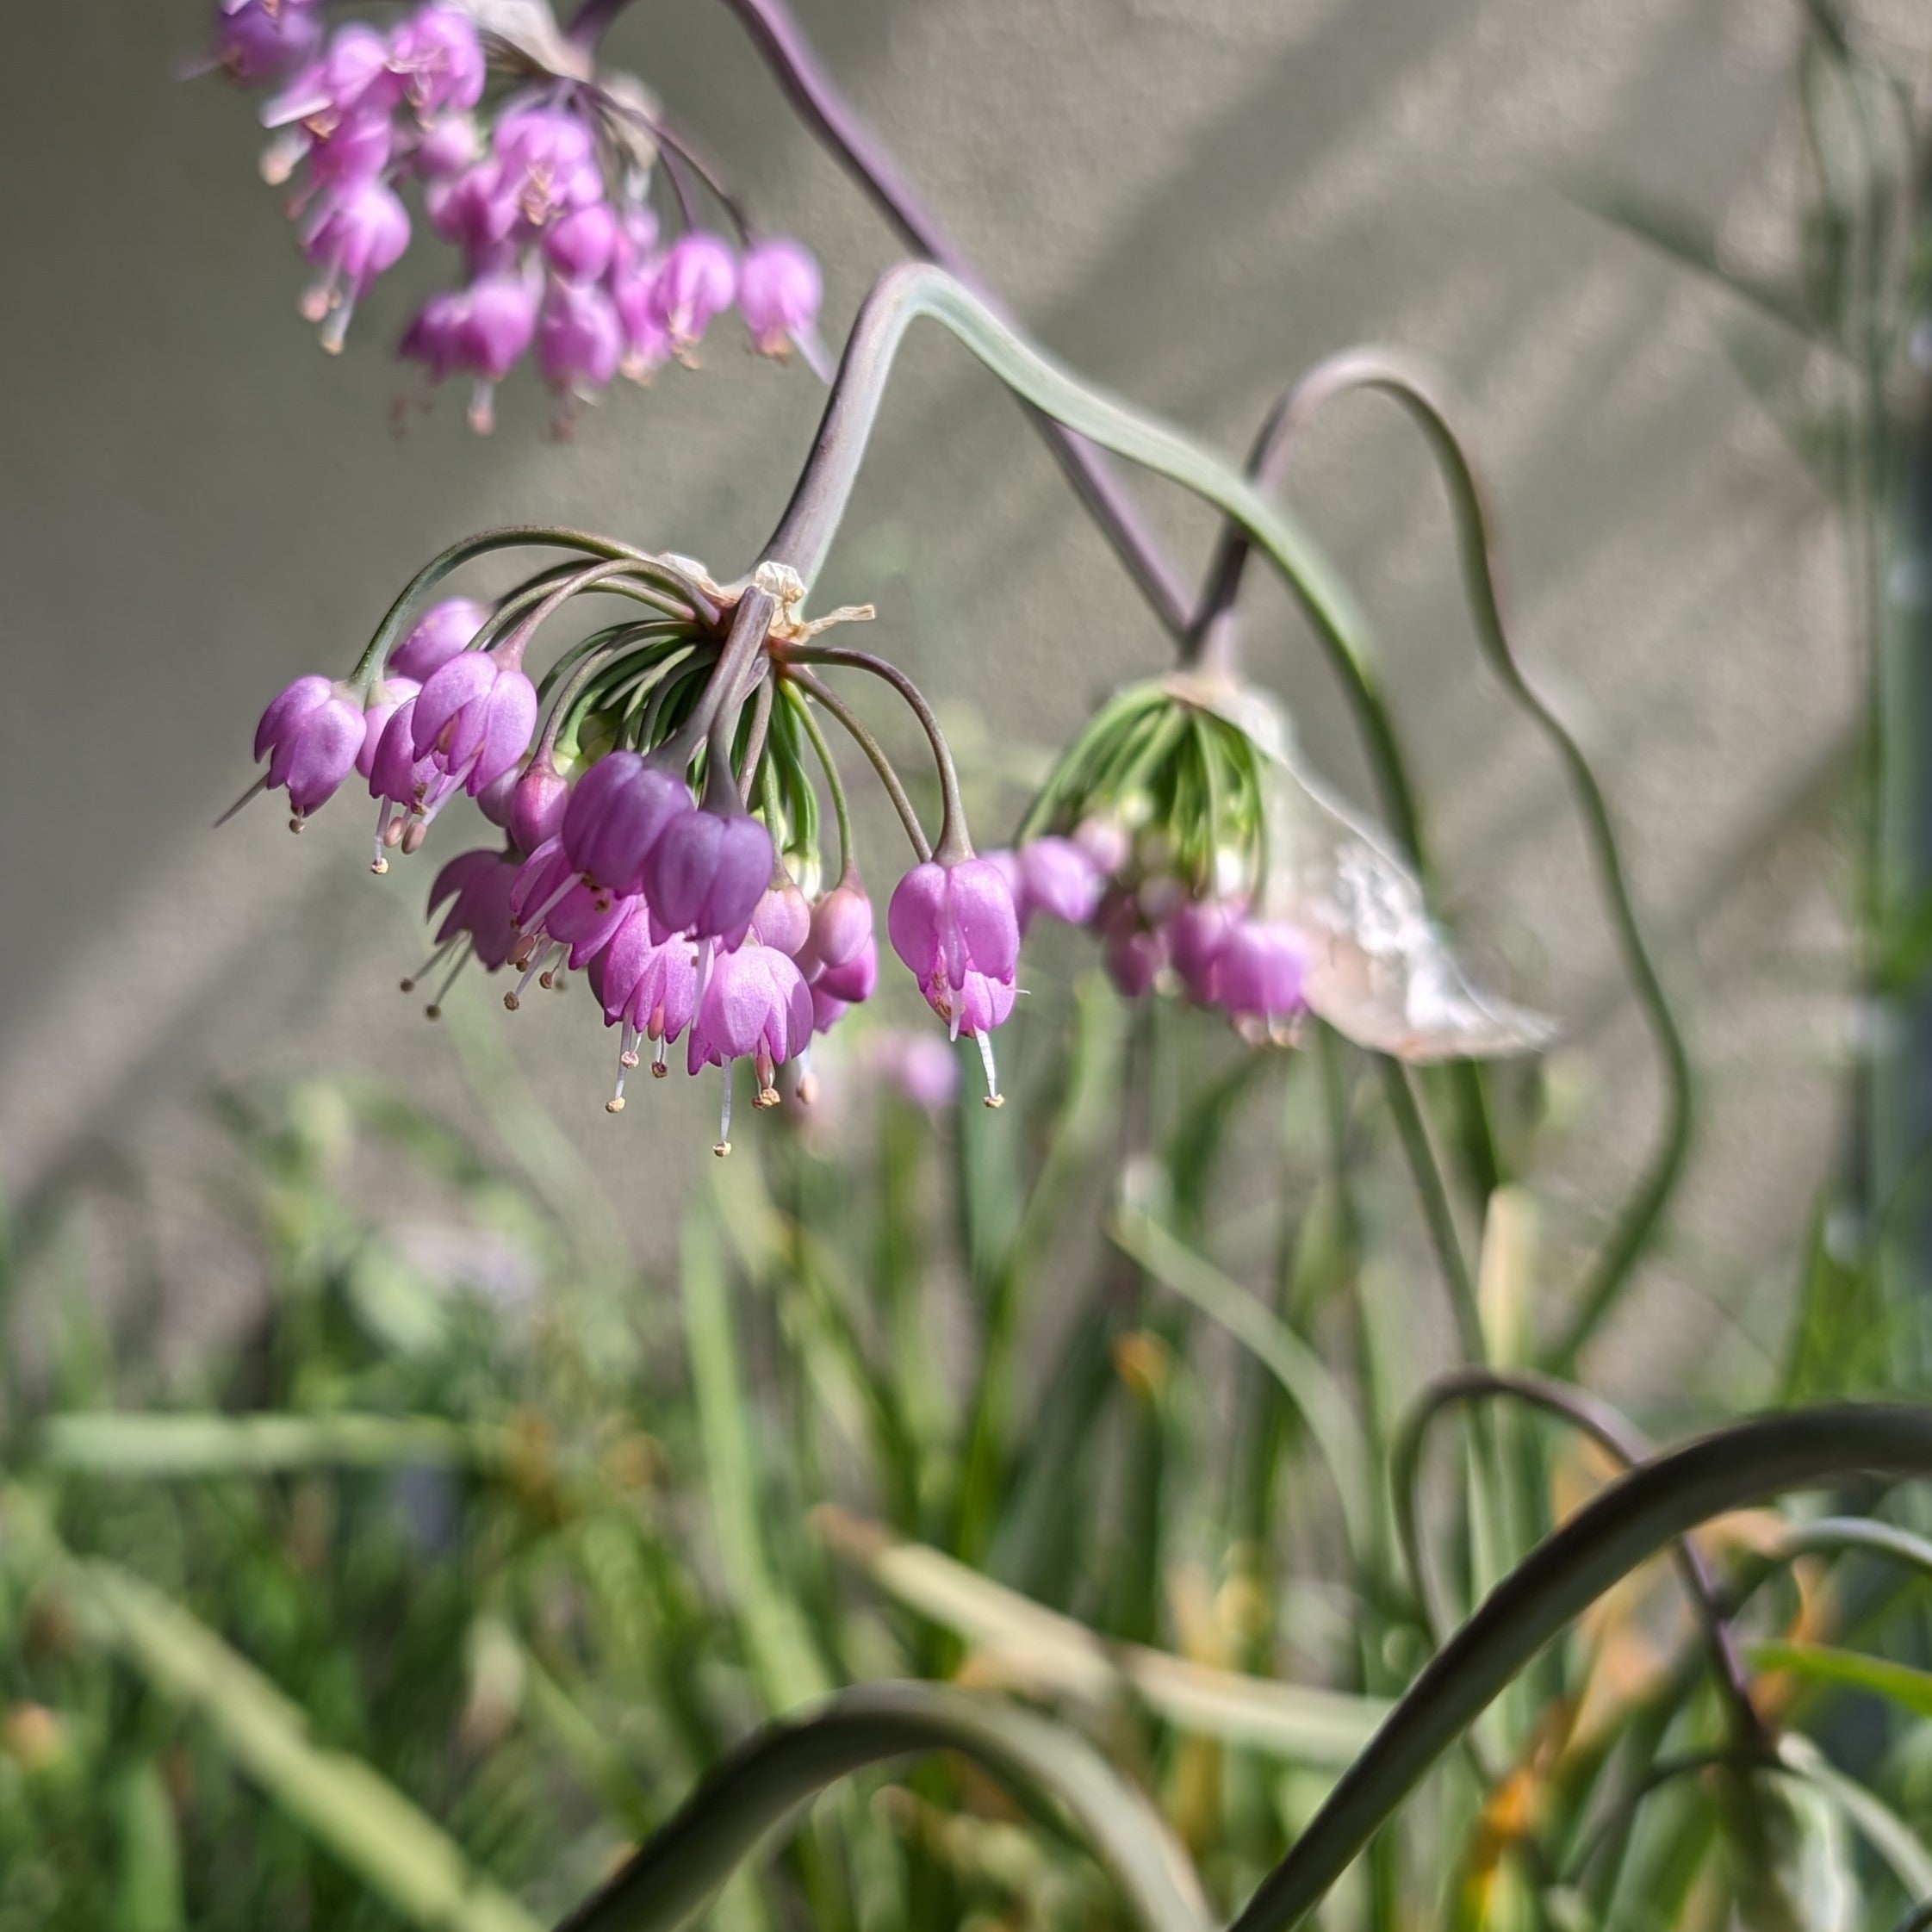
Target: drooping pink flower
(755,1005)
(257,41)
(706,874)
(437,635)
(493,800)
(695,283)
(439,60)
(579,245)
(842,923)
(385,697)
(446,147)
(783,919)
(478,885)
(547,163)
(552,901)
(473,716)
(395,772)
(434,336)
(1055,876)
(650,987)
(778,294)
(470,208)
(310,734)
(618,811)
(853,980)
(647,343)
(1196,937)
(500,320)
(1133,956)
(355,151)
(1260,972)
(359,233)
(353,77)
(579,338)
(536,803)
(948,920)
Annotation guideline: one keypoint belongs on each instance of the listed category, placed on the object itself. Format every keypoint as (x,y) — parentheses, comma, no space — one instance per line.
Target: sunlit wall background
(1190,199)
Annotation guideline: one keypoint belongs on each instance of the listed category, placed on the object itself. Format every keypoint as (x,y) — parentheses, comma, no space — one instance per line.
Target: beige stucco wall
(1189,198)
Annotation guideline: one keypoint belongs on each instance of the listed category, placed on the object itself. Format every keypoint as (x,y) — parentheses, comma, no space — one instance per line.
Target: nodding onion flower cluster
(1152,831)
(656,791)
(545,183)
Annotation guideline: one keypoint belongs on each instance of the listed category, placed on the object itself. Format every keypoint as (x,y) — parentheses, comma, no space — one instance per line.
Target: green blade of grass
(1055,1655)
(109,1444)
(786,1767)
(364,1820)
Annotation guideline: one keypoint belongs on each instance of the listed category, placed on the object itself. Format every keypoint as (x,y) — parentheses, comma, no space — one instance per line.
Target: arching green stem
(823,693)
(954,843)
(786,1767)
(903,295)
(1610,1430)
(1420,397)
(841,812)
(1628,1523)
(517,537)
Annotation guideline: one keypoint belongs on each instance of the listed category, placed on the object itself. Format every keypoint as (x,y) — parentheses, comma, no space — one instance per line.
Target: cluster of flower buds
(546,188)
(1150,833)
(658,792)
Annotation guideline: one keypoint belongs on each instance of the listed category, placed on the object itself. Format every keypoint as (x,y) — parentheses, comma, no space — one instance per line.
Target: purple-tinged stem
(953,844)
(821,693)
(816,97)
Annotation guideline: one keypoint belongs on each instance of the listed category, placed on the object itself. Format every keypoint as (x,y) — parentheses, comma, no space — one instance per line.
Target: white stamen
(658,1070)
(994,1096)
(335,330)
(380,864)
(482,408)
(724,1144)
(532,922)
(513,1000)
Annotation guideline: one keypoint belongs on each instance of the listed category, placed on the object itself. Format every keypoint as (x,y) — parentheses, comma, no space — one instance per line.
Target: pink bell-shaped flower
(386,697)
(538,802)
(778,294)
(439,60)
(946,921)
(618,811)
(706,874)
(1261,971)
(842,923)
(311,735)
(1196,937)
(437,635)
(695,283)
(477,884)
(473,716)
(755,1005)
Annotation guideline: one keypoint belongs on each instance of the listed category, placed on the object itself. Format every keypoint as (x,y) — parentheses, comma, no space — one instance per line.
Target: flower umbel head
(547,184)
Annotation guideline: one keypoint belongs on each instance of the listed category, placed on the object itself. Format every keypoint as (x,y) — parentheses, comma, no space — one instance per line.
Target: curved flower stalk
(578,214)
